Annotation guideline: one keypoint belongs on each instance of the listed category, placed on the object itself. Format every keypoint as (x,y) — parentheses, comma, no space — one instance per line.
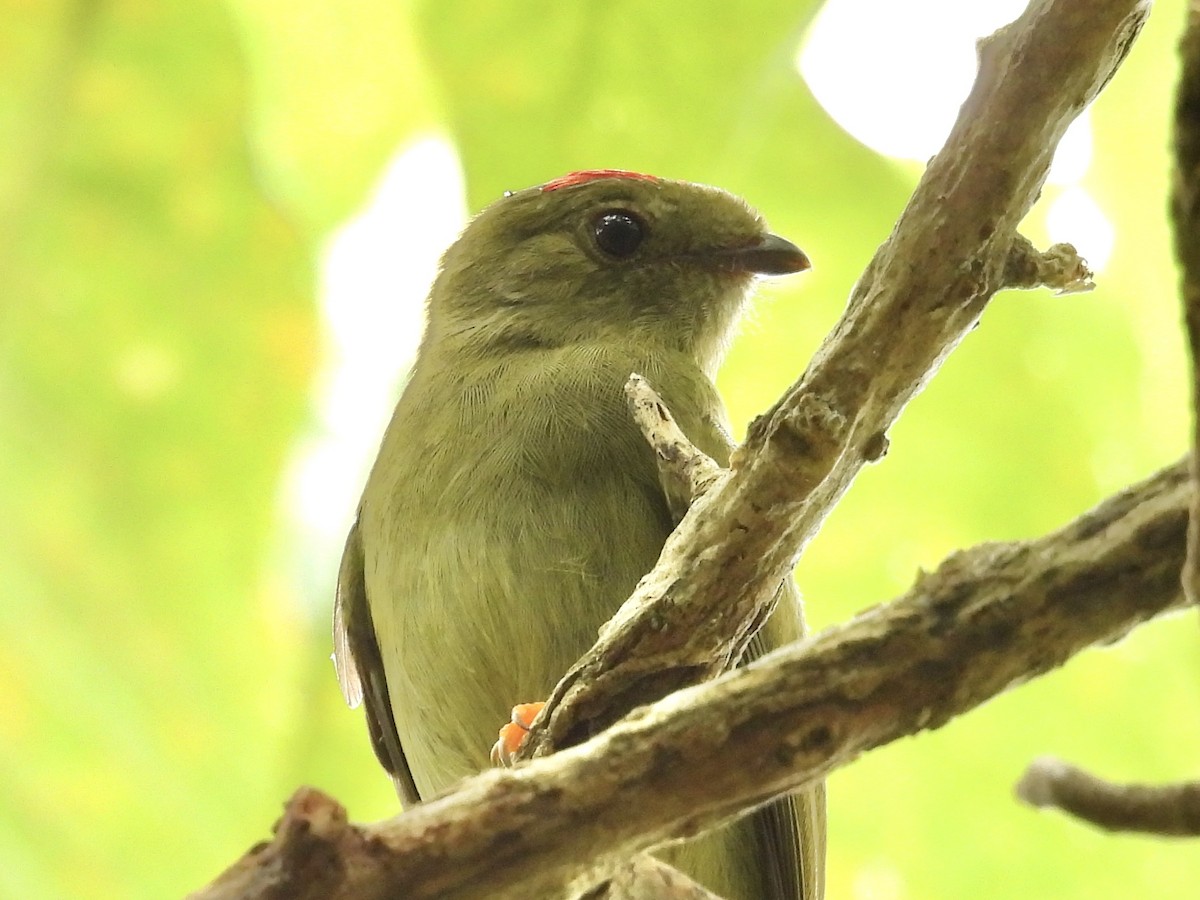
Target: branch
(1165,810)
(925,289)
(989,618)
(1185,221)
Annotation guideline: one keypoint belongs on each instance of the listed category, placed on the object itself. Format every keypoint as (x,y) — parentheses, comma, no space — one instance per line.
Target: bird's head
(602,255)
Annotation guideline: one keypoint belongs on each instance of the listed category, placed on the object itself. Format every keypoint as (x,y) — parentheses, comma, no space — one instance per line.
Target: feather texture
(514,504)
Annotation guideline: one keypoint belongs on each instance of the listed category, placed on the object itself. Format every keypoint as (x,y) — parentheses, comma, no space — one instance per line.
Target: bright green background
(168,174)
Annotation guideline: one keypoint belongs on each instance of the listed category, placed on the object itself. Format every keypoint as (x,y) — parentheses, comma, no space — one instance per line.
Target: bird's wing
(791,830)
(359,666)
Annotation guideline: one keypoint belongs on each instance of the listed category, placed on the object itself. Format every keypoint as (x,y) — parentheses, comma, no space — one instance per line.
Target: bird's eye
(618,233)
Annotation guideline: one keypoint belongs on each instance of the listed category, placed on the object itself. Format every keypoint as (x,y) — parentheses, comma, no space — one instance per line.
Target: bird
(514,504)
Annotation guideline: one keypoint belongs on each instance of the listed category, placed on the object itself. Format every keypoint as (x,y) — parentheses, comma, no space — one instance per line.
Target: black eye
(618,233)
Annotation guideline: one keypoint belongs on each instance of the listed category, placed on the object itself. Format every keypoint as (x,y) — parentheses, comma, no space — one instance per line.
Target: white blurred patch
(1074,153)
(894,75)
(376,272)
(1075,217)
(879,880)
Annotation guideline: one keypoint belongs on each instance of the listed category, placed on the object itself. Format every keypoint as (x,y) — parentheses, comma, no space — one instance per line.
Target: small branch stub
(1060,268)
(685,470)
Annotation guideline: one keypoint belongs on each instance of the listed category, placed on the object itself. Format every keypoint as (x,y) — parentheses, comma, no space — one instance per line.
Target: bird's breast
(501,535)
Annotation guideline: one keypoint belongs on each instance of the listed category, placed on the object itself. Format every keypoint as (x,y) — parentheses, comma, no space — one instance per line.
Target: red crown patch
(582,177)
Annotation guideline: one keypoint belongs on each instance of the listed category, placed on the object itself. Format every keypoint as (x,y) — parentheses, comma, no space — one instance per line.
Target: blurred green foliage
(168,175)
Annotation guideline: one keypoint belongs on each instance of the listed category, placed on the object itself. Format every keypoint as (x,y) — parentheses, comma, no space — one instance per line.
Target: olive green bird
(514,504)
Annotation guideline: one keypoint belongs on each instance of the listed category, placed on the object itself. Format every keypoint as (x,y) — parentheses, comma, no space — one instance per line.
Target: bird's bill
(770,255)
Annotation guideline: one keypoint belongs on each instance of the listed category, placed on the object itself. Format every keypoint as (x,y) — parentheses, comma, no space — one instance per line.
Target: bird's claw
(513,734)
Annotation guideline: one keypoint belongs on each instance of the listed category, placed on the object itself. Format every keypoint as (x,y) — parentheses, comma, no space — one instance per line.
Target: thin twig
(1172,810)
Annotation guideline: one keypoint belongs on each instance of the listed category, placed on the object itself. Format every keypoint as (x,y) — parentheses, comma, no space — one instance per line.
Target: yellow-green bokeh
(169,173)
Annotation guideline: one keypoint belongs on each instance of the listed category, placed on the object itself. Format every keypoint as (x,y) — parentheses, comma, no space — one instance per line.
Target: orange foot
(513,735)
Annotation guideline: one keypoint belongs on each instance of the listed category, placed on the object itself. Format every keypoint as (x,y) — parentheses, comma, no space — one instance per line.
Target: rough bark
(987,619)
